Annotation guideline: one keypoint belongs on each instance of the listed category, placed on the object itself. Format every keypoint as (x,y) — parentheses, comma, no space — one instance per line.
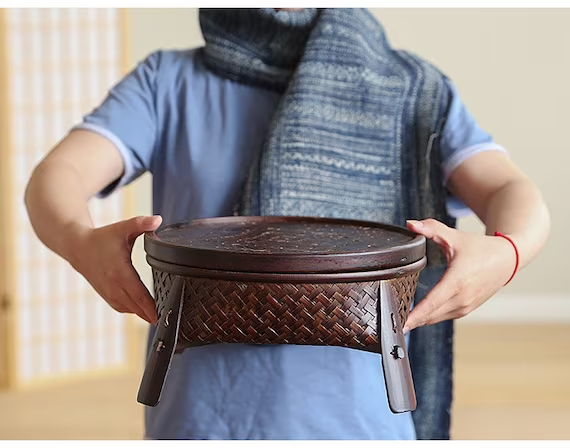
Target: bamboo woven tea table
(284,280)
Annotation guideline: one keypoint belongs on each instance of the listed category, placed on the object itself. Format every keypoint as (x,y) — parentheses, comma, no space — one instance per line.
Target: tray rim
(292,263)
(296,278)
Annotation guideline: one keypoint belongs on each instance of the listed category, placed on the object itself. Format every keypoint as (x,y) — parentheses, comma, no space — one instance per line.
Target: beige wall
(512,69)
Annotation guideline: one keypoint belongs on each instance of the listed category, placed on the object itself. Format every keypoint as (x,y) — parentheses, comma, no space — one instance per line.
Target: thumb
(138,225)
(433,230)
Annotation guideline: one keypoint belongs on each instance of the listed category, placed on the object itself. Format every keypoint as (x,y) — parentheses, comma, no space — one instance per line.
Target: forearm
(56,200)
(518,210)
(479,265)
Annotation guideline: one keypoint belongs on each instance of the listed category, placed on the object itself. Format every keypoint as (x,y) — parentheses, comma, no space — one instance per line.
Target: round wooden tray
(285,245)
(284,280)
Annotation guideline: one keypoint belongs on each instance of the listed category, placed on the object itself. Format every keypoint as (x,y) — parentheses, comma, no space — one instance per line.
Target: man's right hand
(103,256)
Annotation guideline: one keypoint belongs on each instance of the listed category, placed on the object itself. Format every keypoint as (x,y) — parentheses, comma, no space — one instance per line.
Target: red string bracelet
(516,254)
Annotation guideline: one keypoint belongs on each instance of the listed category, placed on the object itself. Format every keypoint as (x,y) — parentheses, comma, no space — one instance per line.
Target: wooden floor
(512,382)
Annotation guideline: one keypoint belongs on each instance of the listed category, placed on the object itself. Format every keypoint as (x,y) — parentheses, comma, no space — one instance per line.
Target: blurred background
(70,366)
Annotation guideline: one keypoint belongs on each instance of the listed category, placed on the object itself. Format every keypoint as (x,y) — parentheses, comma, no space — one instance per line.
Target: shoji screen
(58,64)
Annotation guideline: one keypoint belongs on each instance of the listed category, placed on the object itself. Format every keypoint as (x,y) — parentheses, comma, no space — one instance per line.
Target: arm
(505,200)
(61,185)
(479,265)
(56,199)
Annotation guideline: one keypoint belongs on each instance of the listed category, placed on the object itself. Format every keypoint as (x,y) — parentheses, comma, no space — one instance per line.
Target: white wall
(512,69)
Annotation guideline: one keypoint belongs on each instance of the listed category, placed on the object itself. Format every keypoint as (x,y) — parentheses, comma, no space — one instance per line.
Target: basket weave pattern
(338,314)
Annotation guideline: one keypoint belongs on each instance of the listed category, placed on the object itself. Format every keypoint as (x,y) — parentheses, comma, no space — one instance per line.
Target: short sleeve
(461,138)
(127,117)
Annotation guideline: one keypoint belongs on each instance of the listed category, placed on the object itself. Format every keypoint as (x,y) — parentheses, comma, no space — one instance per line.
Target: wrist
(514,249)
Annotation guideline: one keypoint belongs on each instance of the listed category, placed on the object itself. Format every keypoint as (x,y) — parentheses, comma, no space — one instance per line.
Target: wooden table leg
(395,361)
(163,346)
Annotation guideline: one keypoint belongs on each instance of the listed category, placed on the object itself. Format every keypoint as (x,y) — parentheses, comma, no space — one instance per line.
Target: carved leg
(395,361)
(163,346)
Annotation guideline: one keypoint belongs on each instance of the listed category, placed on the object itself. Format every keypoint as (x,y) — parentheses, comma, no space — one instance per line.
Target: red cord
(516,254)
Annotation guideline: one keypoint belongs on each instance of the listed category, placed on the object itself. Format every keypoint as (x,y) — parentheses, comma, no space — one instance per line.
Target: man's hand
(103,257)
(478,266)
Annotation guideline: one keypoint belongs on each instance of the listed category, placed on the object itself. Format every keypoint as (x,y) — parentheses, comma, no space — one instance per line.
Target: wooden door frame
(7,269)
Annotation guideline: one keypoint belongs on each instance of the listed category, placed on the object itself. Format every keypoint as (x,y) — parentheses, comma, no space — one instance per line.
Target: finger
(135,306)
(139,295)
(447,316)
(119,307)
(428,227)
(114,299)
(449,310)
(135,227)
(435,304)
(432,229)
(116,293)
(122,303)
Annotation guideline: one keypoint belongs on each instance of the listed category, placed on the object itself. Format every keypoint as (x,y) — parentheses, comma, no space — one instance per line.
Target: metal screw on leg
(160,345)
(394,324)
(166,322)
(398,352)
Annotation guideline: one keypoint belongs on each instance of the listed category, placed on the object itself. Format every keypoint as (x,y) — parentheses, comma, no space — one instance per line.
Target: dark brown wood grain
(395,361)
(285,280)
(278,244)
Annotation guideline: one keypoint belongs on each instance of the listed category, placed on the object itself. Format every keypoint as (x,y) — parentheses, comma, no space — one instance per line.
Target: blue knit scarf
(349,113)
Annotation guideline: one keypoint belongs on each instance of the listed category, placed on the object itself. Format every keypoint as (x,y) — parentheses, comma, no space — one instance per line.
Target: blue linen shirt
(198,134)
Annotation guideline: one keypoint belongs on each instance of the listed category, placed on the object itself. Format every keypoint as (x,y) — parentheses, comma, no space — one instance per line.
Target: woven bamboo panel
(339,314)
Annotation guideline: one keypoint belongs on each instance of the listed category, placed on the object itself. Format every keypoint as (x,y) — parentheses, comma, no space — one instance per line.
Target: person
(299,112)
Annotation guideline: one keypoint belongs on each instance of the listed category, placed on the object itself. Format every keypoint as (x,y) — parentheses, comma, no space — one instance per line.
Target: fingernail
(415,223)
(405,330)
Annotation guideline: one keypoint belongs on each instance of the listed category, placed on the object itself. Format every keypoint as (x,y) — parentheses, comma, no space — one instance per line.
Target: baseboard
(522,309)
